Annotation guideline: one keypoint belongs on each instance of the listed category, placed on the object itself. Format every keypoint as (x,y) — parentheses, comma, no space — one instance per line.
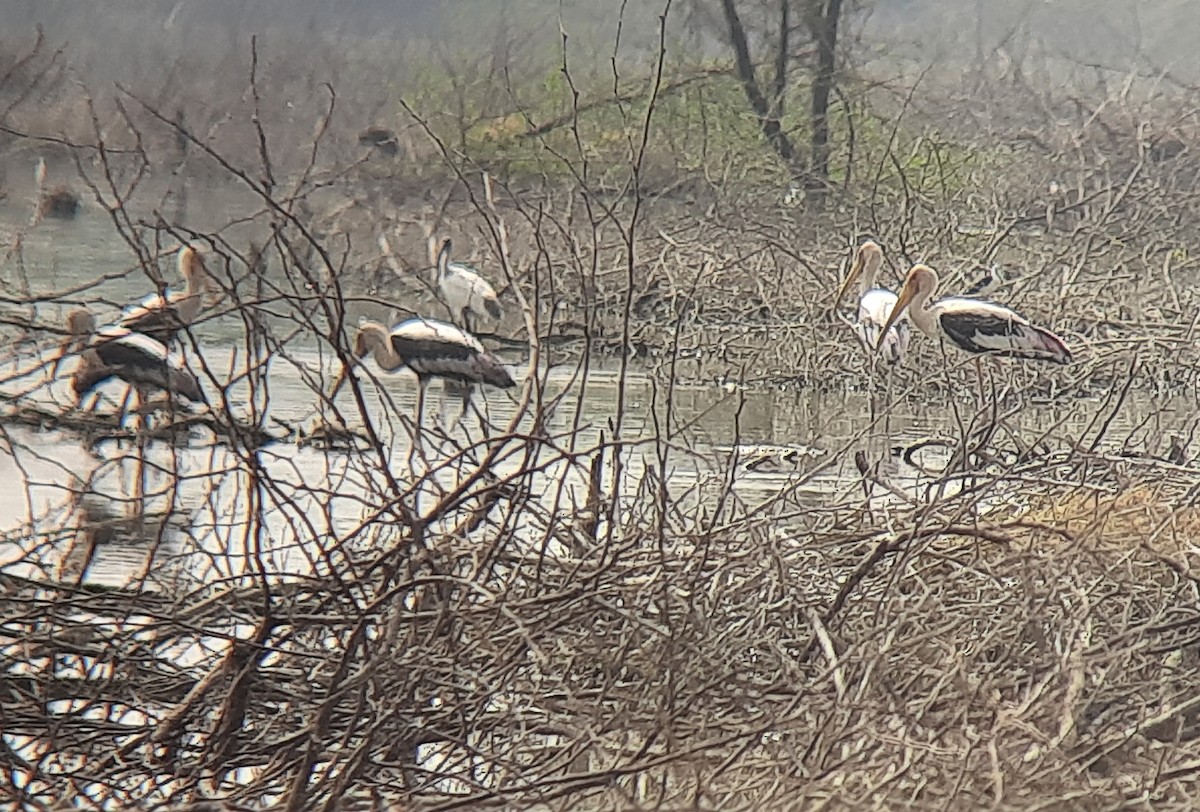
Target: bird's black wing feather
(117,352)
(449,359)
(961,328)
(139,360)
(997,334)
(412,349)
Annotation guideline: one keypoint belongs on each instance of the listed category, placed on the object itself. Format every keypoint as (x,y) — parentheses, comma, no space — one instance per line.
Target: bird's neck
(382,351)
(188,307)
(866,282)
(193,284)
(922,314)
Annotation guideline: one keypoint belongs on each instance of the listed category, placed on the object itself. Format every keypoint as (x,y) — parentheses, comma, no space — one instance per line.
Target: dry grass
(546,612)
(1141,515)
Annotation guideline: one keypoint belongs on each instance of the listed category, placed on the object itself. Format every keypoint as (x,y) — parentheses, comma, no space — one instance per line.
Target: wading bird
(875,305)
(972,325)
(58,202)
(464,291)
(161,316)
(117,352)
(431,349)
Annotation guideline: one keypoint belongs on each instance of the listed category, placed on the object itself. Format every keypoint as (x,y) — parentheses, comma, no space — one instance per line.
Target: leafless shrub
(567,600)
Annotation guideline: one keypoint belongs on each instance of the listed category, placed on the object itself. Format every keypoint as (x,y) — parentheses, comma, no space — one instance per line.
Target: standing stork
(161,316)
(975,326)
(58,202)
(464,291)
(142,362)
(117,352)
(875,306)
(431,349)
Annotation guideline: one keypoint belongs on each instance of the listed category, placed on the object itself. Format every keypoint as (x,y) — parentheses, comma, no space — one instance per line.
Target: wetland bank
(706,553)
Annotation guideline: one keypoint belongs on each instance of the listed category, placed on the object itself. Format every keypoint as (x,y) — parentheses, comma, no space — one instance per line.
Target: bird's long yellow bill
(902,300)
(70,345)
(337,384)
(856,269)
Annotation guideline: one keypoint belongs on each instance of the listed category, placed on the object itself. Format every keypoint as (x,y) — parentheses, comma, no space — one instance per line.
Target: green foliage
(700,123)
(530,125)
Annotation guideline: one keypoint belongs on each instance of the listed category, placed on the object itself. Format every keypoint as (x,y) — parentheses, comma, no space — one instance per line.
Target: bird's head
(81,325)
(921,281)
(867,260)
(368,336)
(195,273)
(188,262)
(362,343)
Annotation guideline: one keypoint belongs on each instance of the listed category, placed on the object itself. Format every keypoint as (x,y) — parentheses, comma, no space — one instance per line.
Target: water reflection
(211,513)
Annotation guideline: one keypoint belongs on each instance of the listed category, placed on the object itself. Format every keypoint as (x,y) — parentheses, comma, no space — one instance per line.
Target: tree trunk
(824,30)
(781,58)
(768,119)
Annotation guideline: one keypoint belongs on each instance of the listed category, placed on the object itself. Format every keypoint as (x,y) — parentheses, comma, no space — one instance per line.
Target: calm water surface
(317,497)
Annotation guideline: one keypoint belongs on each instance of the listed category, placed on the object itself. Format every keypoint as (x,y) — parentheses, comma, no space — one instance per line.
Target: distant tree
(779,21)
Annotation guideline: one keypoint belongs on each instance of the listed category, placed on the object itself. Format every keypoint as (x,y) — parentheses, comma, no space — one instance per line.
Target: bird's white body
(875,306)
(185,304)
(162,315)
(464,291)
(434,331)
(874,309)
(976,326)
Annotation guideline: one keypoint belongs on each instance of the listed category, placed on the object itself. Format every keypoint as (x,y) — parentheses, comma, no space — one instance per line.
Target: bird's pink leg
(143,425)
(979,392)
(416,435)
(121,410)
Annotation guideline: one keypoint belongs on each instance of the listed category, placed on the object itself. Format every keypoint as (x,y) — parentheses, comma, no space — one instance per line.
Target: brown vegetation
(570,600)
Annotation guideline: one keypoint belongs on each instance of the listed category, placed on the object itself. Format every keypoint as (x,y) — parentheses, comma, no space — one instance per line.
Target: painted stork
(160,316)
(464,291)
(58,202)
(875,305)
(431,349)
(972,325)
(117,352)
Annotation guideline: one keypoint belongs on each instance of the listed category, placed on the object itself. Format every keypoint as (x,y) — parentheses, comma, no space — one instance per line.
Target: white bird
(116,352)
(464,291)
(431,349)
(161,316)
(972,325)
(875,306)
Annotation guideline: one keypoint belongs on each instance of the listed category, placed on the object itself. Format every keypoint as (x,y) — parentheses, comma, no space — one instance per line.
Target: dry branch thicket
(567,602)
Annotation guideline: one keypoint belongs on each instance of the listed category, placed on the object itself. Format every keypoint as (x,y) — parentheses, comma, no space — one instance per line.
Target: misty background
(372,44)
(674,233)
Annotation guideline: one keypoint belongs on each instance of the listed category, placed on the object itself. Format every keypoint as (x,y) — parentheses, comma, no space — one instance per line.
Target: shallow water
(314,497)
